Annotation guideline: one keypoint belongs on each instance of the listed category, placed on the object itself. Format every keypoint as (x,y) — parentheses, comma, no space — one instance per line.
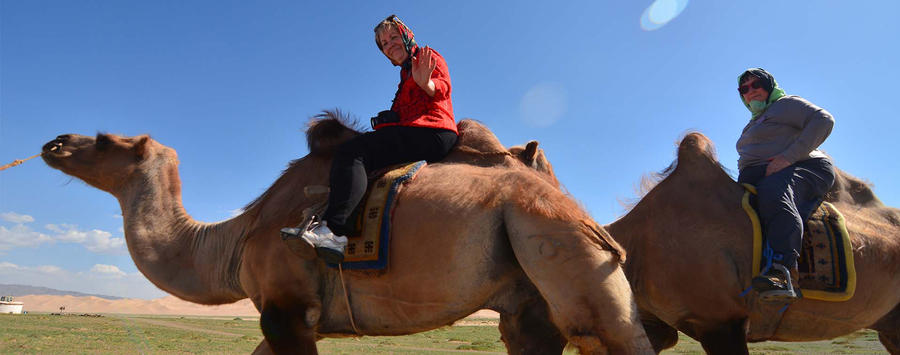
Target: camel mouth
(54,148)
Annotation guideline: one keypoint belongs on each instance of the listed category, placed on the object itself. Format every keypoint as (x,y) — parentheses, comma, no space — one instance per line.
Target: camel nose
(57,143)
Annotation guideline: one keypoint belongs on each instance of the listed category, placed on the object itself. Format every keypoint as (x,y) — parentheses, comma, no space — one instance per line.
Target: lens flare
(660,12)
(543,104)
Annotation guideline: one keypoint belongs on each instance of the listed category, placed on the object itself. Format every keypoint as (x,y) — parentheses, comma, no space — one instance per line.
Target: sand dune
(169,305)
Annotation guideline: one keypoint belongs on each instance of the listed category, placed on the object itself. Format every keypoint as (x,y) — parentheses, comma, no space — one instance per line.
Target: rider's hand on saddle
(776,164)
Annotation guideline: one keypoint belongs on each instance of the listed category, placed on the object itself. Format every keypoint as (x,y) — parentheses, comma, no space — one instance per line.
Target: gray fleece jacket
(791,127)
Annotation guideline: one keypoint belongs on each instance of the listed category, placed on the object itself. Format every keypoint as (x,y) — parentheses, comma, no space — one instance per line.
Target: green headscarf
(769,84)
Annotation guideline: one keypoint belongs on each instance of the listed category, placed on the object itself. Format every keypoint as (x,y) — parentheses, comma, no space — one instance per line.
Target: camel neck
(195,261)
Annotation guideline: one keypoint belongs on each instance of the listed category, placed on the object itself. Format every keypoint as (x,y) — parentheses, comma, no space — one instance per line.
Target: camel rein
(18,161)
(347,299)
(309,215)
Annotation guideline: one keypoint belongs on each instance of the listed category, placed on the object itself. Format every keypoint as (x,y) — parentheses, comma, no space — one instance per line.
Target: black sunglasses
(743,89)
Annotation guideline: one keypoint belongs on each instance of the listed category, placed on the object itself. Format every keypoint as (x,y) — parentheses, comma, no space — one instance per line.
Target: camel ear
(530,153)
(141,148)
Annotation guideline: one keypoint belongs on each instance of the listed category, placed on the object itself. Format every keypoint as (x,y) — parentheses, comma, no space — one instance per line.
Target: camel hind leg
(588,297)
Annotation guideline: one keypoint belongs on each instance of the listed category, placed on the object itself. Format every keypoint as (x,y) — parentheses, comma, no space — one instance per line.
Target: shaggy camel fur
(489,233)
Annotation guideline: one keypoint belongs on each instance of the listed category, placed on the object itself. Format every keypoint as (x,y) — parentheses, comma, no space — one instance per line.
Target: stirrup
(293,237)
(786,295)
(329,246)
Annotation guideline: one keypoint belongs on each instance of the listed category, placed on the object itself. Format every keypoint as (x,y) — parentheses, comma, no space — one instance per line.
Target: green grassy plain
(134,334)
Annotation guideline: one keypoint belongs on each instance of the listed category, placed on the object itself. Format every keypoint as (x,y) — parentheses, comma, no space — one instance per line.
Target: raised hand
(423,65)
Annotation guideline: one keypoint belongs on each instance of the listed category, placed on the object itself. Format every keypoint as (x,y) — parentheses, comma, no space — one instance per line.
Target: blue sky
(230,85)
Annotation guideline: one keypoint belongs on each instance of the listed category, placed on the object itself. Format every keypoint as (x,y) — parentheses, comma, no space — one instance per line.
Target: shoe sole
(330,256)
(778,296)
(299,246)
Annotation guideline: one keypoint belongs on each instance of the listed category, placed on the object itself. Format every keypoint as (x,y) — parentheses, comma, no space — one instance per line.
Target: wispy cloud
(110,271)
(16,218)
(100,279)
(21,235)
(96,240)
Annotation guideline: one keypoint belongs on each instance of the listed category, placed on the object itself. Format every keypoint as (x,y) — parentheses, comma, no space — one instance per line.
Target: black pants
(372,151)
(786,199)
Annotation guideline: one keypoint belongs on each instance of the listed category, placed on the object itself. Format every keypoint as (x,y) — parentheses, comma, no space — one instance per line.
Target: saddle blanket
(826,265)
(368,247)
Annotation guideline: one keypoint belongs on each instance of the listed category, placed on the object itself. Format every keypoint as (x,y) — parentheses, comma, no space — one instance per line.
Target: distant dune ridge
(22,290)
(169,305)
(43,299)
(76,302)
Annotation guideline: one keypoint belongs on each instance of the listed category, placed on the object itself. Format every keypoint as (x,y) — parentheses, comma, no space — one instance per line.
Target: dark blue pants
(785,201)
(371,151)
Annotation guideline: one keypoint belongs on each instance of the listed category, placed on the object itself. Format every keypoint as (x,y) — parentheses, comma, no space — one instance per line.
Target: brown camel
(689,248)
(491,234)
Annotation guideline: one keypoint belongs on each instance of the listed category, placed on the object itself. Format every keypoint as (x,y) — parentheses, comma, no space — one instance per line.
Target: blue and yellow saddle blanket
(368,247)
(826,265)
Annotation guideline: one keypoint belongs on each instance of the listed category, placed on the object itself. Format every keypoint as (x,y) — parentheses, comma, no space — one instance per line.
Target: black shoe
(774,285)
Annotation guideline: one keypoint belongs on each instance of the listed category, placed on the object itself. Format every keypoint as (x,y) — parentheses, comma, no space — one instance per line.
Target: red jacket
(416,108)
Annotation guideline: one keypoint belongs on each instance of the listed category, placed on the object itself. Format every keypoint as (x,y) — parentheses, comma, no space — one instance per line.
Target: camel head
(106,161)
(696,148)
(533,157)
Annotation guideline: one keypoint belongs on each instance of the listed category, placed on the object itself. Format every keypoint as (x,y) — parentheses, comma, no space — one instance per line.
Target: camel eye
(103,141)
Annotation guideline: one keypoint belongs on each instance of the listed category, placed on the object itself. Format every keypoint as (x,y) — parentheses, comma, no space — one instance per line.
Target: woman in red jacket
(419,126)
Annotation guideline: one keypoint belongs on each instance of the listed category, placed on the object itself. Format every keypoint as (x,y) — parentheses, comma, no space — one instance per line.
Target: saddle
(367,247)
(826,270)
(368,243)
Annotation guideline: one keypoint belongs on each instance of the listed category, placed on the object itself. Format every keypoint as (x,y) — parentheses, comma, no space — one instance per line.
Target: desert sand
(169,305)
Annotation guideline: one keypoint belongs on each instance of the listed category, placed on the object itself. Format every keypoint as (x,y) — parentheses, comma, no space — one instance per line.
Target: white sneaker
(329,247)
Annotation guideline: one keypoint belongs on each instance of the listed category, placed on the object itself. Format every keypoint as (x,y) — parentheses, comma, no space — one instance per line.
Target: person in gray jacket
(778,154)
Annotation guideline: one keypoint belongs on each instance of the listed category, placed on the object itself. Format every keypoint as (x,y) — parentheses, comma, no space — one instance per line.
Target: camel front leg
(263,349)
(728,337)
(589,299)
(888,329)
(288,329)
(530,331)
(662,336)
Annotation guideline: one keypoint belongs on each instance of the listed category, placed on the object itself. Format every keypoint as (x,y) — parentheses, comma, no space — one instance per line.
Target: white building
(7,305)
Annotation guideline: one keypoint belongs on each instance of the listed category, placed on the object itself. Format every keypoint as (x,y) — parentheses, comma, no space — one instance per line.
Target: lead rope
(347,299)
(17,162)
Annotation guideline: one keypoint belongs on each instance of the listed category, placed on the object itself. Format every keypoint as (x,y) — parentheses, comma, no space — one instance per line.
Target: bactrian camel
(689,248)
(478,230)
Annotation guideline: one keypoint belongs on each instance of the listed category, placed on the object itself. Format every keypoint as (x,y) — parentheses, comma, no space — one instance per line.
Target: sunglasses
(743,89)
